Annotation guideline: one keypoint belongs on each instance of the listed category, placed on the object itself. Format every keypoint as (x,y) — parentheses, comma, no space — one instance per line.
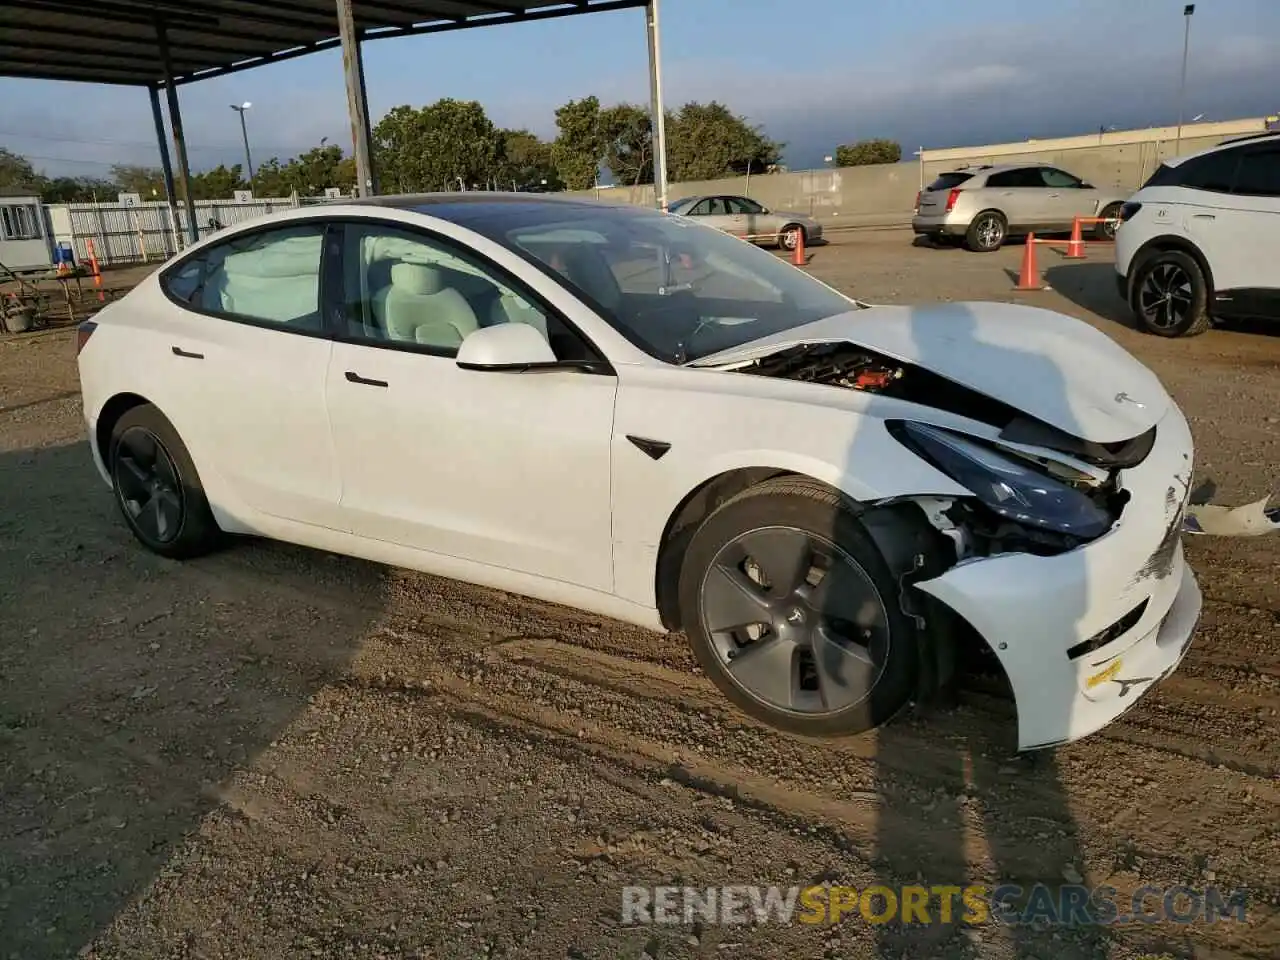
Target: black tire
(157,488)
(788,234)
(881,661)
(1169,295)
(1107,229)
(987,232)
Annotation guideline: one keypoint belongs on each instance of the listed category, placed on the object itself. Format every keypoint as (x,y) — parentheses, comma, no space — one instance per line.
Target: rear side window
(271,278)
(1022,177)
(1164,176)
(949,181)
(1214,172)
(1259,174)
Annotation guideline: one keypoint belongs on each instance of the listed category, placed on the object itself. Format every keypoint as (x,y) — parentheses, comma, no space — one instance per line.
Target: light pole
(1187,11)
(244,132)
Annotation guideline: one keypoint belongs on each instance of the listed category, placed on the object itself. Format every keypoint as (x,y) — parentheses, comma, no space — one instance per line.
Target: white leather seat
(418,307)
(508,308)
(280,282)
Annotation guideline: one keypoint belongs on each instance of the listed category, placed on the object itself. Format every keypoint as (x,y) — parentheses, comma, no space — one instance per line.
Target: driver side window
(742,205)
(1058,178)
(403,288)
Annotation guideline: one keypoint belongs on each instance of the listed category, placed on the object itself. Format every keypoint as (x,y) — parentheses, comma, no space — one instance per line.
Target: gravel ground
(278,753)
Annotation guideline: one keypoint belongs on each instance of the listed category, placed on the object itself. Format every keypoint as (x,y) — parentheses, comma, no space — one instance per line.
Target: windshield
(680,206)
(675,288)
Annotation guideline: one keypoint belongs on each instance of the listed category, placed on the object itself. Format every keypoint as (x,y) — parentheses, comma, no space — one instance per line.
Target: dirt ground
(278,753)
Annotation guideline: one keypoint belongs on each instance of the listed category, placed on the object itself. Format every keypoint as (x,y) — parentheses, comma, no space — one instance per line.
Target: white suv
(1201,239)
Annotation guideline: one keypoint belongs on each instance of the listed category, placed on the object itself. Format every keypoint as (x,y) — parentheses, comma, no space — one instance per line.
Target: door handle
(1203,216)
(179,352)
(353,377)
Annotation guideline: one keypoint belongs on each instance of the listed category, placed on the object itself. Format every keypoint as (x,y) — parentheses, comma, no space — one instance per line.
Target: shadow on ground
(1091,285)
(130,686)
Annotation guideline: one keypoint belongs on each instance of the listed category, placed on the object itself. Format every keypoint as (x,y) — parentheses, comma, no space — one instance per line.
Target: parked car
(745,217)
(987,204)
(1201,239)
(629,413)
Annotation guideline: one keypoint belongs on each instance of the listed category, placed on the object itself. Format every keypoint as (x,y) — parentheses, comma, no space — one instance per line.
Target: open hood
(1050,366)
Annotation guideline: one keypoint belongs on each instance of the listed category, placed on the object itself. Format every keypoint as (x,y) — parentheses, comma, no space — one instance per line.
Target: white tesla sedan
(640,416)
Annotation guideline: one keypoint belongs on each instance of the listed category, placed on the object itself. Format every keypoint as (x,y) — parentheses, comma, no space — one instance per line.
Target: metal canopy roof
(118,41)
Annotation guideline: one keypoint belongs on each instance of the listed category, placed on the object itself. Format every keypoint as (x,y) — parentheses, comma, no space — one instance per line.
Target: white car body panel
(528,482)
(502,468)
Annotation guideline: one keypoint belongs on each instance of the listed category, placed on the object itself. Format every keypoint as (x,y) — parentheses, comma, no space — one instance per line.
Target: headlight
(1008,487)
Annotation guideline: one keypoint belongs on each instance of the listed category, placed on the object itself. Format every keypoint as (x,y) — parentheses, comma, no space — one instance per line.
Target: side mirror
(512,347)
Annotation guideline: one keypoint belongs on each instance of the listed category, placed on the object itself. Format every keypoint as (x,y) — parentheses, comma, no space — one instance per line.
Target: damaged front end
(1068,560)
(1037,489)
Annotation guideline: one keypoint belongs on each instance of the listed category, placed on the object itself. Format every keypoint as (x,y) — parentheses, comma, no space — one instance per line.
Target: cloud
(994,81)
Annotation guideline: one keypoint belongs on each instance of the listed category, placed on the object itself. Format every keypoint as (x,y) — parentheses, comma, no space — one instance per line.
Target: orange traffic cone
(797,256)
(1075,246)
(1029,277)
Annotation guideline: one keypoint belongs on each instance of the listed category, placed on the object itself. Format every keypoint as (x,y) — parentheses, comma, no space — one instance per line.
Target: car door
(505,469)
(749,218)
(1019,194)
(248,354)
(1065,198)
(714,212)
(1246,265)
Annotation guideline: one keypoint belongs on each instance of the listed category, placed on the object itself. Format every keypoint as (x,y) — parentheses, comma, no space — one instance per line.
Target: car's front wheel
(157,488)
(1169,295)
(789,607)
(790,236)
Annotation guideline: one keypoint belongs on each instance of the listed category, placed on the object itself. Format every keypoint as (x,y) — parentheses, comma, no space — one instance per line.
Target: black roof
(116,41)
(494,212)
(1269,134)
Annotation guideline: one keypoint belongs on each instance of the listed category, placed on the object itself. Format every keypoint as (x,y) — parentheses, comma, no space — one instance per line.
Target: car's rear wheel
(987,231)
(1169,295)
(157,488)
(789,607)
(1106,230)
(790,235)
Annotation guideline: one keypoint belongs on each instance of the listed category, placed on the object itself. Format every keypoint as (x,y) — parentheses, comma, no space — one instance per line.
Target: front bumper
(1033,610)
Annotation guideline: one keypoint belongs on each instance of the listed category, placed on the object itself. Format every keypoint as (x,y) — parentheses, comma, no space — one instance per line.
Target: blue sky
(814,72)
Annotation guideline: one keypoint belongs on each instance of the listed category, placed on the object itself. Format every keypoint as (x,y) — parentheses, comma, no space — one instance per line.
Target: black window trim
(336,320)
(240,318)
(1254,148)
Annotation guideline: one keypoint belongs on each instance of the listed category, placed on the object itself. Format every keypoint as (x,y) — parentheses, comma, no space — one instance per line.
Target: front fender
(713,433)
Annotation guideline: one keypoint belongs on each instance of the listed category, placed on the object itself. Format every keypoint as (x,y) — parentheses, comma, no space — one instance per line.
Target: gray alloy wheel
(796,621)
(987,232)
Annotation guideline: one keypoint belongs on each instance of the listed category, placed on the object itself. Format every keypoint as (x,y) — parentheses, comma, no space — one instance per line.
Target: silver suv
(987,204)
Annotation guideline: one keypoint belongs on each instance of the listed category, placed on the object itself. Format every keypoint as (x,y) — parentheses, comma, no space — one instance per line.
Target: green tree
(866,152)
(77,190)
(434,147)
(17,175)
(308,173)
(220,183)
(627,130)
(527,163)
(147,182)
(706,141)
(579,146)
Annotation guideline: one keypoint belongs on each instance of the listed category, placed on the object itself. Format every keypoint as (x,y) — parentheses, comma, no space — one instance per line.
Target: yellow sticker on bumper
(1103,675)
